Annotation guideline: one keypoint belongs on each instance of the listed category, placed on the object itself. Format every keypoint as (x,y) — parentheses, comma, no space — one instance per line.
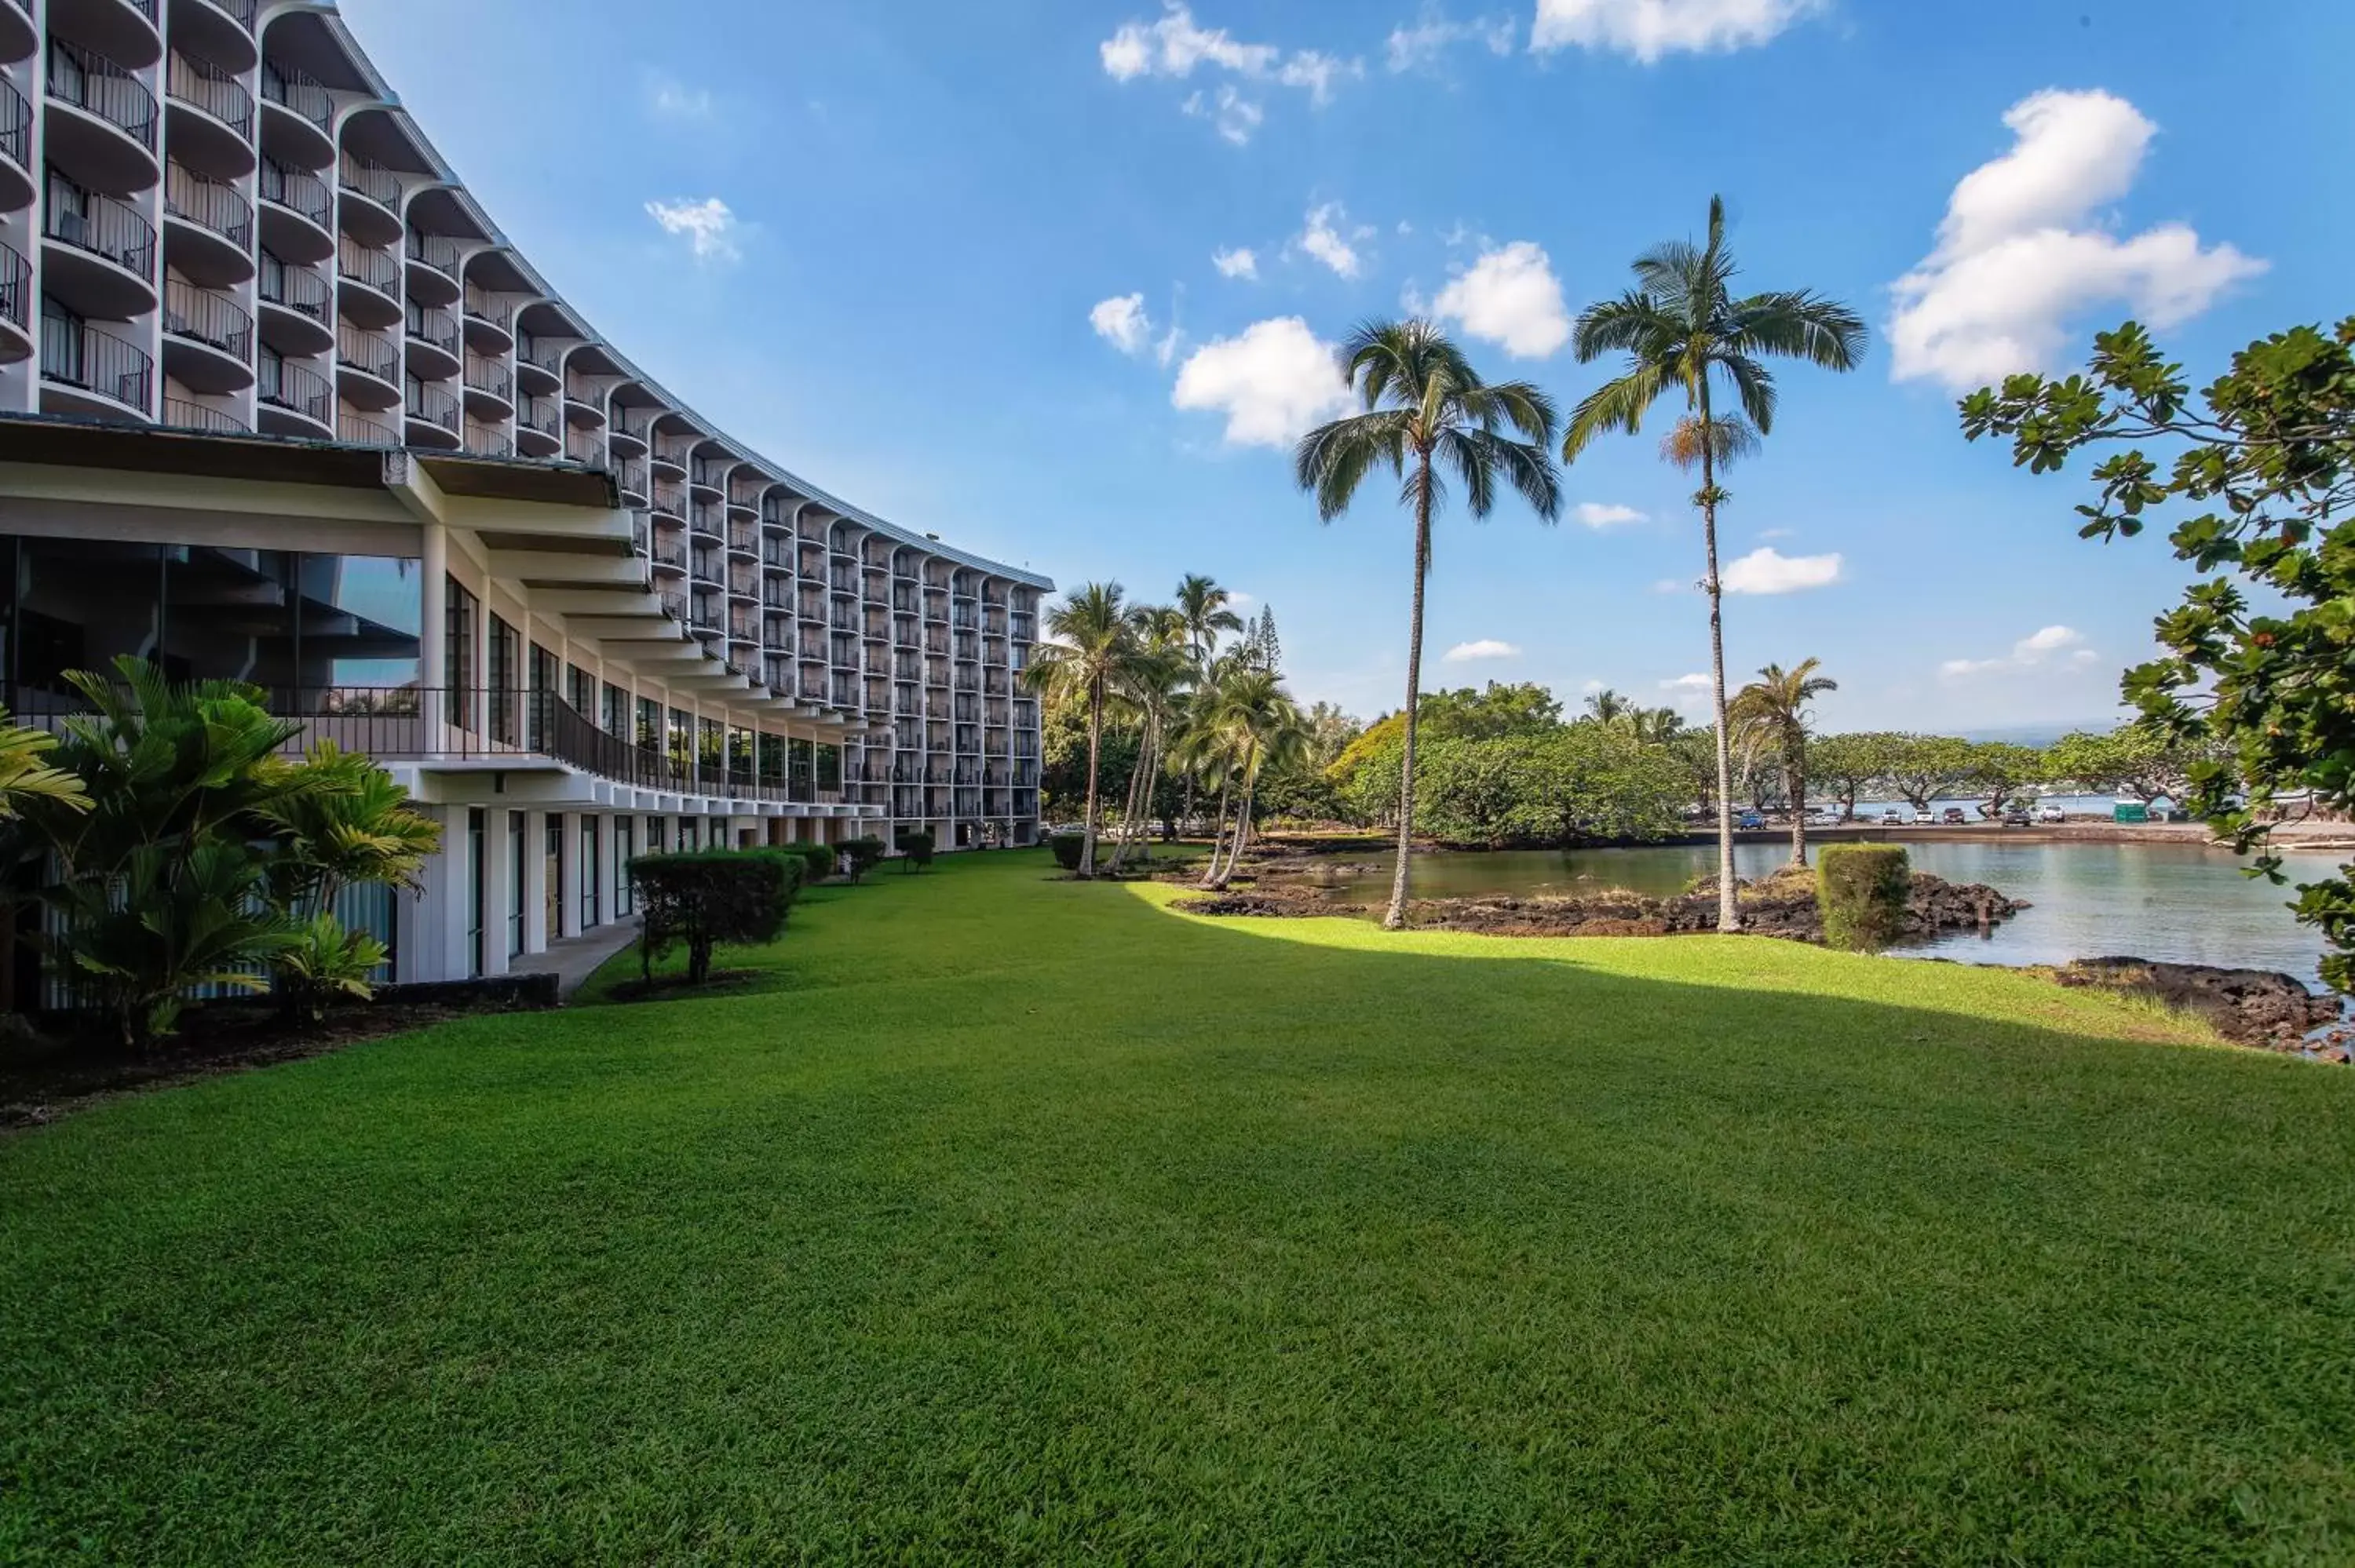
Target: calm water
(2178,902)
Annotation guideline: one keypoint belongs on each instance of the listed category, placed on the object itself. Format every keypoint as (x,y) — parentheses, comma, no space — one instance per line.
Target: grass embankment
(1005,1219)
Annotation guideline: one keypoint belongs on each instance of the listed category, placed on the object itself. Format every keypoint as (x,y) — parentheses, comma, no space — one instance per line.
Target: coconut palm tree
(1656,727)
(1091,641)
(1683,332)
(1607,706)
(1157,673)
(1770,717)
(1426,411)
(1256,722)
(1207,609)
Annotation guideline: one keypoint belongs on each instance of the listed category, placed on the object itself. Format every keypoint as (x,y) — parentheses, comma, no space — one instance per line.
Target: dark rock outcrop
(1782,905)
(2249,1007)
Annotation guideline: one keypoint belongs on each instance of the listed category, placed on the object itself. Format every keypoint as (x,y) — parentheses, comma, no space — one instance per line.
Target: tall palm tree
(1656,727)
(1427,409)
(1607,706)
(1157,671)
(1207,609)
(1770,715)
(1683,331)
(1090,643)
(1255,721)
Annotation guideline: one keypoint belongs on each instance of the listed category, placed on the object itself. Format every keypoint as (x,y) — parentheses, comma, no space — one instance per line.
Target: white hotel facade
(279,403)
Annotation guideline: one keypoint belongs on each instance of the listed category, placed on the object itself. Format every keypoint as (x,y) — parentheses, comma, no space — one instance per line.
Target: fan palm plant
(1769,715)
(1091,643)
(1683,331)
(1426,411)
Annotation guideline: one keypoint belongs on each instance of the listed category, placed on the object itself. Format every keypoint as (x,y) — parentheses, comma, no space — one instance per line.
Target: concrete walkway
(574,959)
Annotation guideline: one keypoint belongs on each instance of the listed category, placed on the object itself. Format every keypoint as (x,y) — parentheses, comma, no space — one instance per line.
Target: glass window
(613,717)
(829,768)
(687,834)
(593,874)
(458,613)
(362,619)
(626,831)
(650,724)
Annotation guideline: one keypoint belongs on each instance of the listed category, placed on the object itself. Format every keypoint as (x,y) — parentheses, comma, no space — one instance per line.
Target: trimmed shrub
(819,861)
(918,848)
(863,854)
(1068,848)
(704,898)
(1862,889)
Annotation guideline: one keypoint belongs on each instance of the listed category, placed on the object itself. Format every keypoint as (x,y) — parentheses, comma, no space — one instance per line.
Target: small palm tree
(1426,410)
(1090,643)
(1682,331)
(1255,721)
(1770,717)
(1207,610)
(1607,706)
(1656,727)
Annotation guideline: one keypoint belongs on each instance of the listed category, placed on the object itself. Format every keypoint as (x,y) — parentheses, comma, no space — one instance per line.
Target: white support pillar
(498,889)
(534,882)
(569,868)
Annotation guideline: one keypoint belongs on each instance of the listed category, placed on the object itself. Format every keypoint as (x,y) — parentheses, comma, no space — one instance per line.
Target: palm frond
(1618,405)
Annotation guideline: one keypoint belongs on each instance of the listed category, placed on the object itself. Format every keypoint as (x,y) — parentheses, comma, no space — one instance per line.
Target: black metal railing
(91,82)
(366,351)
(438,252)
(538,414)
(241,11)
(181,414)
(101,226)
(16,286)
(483,441)
(434,325)
(297,388)
(299,92)
(359,430)
(631,474)
(209,204)
(298,289)
(582,446)
(489,308)
(489,376)
(297,190)
(212,89)
(380,270)
(365,177)
(16,126)
(543,356)
(432,404)
(74,353)
(202,316)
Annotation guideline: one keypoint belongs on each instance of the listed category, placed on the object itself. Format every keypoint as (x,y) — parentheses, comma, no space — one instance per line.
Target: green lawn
(1004,1219)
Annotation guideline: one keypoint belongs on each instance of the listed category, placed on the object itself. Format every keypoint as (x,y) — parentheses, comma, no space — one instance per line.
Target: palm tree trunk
(1128,807)
(1096,759)
(1149,769)
(1218,838)
(1798,813)
(1394,919)
(1729,912)
(1242,816)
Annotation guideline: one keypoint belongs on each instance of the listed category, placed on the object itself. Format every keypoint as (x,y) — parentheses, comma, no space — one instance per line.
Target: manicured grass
(1005,1219)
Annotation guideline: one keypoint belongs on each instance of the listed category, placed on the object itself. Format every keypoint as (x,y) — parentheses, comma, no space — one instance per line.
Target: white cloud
(1510,298)
(1239,262)
(1649,29)
(1591,687)
(708,225)
(1235,117)
(670,99)
(1272,382)
(1433,34)
(1318,73)
(1322,238)
(2038,651)
(1123,323)
(1485,648)
(1764,570)
(1689,685)
(1607,515)
(2024,248)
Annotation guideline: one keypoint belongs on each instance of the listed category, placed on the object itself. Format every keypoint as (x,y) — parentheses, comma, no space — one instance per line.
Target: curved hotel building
(279,403)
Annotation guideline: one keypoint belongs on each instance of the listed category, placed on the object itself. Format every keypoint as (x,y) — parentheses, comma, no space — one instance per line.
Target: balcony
(490,322)
(181,414)
(433,266)
(630,473)
(539,366)
(212,224)
(286,389)
(707,520)
(221,30)
(712,473)
(355,429)
(207,339)
(367,368)
(376,300)
(211,117)
(585,394)
(100,373)
(487,441)
(15,146)
(539,427)
(585,447)
(435,418)
(433,335)
(295,302)
(15,306)
(102,250)
(670,498)
(298,119)
(106,135)
(18,37)
(490,391)
(298,213)
(676,454)
(371,206)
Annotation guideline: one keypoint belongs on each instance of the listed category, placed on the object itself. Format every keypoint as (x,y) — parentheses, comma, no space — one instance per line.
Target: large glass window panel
(361,620)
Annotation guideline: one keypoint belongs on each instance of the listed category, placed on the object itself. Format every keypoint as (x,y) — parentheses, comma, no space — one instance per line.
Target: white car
(2052,814)
(1823,819)
(1925,819)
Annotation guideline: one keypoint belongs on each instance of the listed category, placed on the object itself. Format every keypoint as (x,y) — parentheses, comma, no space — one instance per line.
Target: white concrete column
(456,865)
(608,904)
(498,890)
(534,882)
(568,901)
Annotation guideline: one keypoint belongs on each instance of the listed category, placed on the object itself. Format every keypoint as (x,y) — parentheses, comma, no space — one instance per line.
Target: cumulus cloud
(1419,47)
(708,228)
(1239,262)
(2054,645)
(1123,323)
(1176,45)
(2024,248)
(1765,570)
(1649,29)
(1322,238)
(1485,648)
(1690,688)
(1607,515)
(1509,297)
(1272,382)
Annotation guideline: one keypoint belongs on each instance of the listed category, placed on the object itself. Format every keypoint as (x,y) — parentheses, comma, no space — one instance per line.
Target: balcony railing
(371,352)
(484,441)
(631,474)
(212,89)
(489,375)
(242,10)
(75,354)
(370,179)
(359,430)
(298,92)
(538,414)
(432,405)
(16,126)
(182,415)
(583,447)
(378,269)
(214,319)
(16,287)
(539,356)
(434,325)
(207,202)
(101,226)
(297,388)
(438,252)
(91,82)
(297,190)
(583,390)
(298,289)
(483,307)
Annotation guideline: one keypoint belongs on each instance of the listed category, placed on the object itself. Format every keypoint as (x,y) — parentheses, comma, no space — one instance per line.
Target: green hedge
(918,848)
(863,854)
(1862,889)
(1068,848)
(704,898)
(820,859)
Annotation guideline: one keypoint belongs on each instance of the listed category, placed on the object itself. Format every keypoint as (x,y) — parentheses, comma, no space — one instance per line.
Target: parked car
(1893,817)
(1925,818)
(1750,821)
(2017,817)
(2052,813)
(1823,819)
(1953,816)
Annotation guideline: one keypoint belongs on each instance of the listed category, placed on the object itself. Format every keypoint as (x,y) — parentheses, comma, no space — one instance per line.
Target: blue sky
(933,254)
